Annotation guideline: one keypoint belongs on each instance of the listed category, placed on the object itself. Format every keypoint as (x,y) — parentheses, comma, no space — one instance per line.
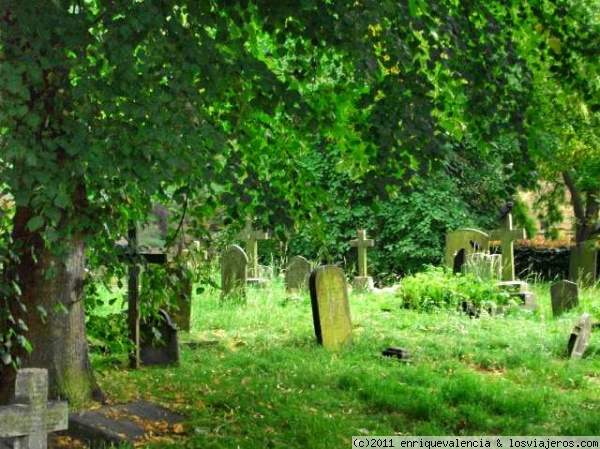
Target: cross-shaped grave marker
(507,235)
(363,280)
(251,237)
(32,417)
(133,257)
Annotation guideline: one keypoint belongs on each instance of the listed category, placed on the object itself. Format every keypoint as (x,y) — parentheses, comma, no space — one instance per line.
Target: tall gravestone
(330,307)
(251,238)
(507,235)
(461,243)
(297,274)
(564,296)
(583,264)
(234,266)
(31,418)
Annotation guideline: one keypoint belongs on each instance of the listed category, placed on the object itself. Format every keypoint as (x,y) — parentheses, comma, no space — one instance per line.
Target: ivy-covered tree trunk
(50,304)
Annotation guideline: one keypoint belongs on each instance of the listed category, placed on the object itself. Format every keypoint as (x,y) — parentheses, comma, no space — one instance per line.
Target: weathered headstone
(296,274)
(564,296)
(363,281)
(484,266)
(461,243)
(330,307)
(251,238)
(583,264)
(234,265)
(124,425)
(28,422)
(580,337)
(507,235)
(519,290)
(159,341)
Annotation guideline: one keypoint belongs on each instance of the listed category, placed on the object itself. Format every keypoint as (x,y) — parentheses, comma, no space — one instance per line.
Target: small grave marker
(165,351)
(580,337)
(519,290)
(32,417)
(330,307)
(564,296)
(507,235)
(297,274)
(361,243)
(251,238)
(461,243)
(234,265)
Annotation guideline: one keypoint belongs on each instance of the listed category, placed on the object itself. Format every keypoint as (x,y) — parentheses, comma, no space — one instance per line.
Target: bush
(437,288)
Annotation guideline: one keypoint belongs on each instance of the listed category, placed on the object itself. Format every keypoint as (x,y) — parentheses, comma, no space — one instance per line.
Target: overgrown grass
(252,375)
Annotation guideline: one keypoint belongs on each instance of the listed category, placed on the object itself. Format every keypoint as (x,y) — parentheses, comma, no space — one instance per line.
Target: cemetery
(284,224)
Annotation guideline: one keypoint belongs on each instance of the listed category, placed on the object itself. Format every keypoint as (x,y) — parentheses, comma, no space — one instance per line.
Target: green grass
(256,377)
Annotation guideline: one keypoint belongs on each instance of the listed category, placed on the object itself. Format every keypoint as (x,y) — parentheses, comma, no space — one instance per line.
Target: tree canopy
(271,108)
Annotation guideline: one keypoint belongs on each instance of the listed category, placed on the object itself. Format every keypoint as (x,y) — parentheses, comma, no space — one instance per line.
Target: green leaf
(35,223)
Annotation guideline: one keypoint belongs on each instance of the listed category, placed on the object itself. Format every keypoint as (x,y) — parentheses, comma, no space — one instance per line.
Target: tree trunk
(52,293)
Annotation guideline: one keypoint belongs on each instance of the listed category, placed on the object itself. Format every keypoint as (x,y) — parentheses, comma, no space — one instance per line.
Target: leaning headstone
(487,267)
(251,238)
(580,337)
(461,243)
(363,281)
(330,307)
(296,274)
(583,264)
(159,341)
(31,418)
(564,296)
(234,263)
(507,235)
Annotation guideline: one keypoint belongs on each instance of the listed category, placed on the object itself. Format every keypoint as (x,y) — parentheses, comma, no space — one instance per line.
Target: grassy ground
(254,377)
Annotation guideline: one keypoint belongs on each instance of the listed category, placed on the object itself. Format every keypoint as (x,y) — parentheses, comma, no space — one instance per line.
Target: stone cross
(507,235)
(363,280)
(133,257)
(32,418)
(251,237)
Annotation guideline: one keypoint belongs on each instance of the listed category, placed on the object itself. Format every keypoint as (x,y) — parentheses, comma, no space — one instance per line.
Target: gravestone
(507,235)
(163,348)
(234,265)
(296,274)
(135,258)
(124,425)
(583,264)
(251,238)
(330,307)
(461,243)
(519,290)
(580,337)
(487,267)
(363,281)
(564,296)
(31,418)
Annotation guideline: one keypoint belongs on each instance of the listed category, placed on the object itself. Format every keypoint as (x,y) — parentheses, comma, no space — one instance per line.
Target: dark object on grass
(399,353)
(505,209)
(468,308)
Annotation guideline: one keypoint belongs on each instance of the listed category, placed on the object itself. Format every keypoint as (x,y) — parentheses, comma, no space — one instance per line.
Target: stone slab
(123,424)
(580,337)
(564,296)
